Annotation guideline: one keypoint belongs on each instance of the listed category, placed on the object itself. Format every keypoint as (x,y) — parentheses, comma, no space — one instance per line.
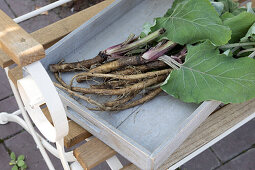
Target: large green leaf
(239,25)
(208,75)
(193,21)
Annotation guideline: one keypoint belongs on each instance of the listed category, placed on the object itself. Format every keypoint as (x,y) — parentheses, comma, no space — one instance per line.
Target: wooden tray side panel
(203,111)
(103,131)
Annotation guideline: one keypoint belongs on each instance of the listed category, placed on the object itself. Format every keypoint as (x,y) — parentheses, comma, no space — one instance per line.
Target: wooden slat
(93,153)
(75,135)
(20,46)
(47,114)
(213,126)
(49,35)
(5,60)
(15,74)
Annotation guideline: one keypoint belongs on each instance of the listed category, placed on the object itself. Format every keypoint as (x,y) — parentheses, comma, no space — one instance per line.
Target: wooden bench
(94,151)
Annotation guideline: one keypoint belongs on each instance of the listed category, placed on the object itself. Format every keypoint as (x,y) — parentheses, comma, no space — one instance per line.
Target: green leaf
(239,25)
(21,157)
(193,21)
(13,156)
(25,165)
(239,11)
(250,35)
(226,15)
(228,53)
(21,163)
(174,5)
(15,167)
(209,75)
(229,5)
(219,6)
(146,30)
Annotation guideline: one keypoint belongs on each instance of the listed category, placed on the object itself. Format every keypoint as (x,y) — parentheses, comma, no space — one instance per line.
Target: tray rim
(150,156)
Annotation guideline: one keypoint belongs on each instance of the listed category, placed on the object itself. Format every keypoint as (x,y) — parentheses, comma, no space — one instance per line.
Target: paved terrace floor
(234,152)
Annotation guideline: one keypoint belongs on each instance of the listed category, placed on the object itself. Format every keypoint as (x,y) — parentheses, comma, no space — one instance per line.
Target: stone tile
(123,160)
(21,7)
(102,166)
(204,161)
(6,9)
(9,105)
(24,144)
(236,142)
(4,158)
(64,11)
(39,21)
(246,161)
(5,89)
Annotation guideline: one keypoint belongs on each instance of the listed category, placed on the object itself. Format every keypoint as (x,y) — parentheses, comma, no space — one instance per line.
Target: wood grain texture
(47,114)
(20,46)
(4,59)
(15,74)
(75,135)
(93,153)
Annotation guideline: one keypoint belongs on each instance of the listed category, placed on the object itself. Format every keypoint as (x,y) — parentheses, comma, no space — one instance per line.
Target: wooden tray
(146,135)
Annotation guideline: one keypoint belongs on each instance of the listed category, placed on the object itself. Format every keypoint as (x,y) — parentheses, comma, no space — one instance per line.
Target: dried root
(87,99)
(77,66)
(123,71)
(136,87)
(115,65)
(146,98)
(83,76)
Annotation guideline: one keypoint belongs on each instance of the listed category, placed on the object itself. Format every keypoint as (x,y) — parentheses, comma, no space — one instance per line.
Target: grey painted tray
(146,135)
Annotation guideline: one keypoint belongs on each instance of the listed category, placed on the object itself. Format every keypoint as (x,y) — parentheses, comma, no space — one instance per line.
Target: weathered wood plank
(49,35)
(4,59)
(20,46)
(15,74)
(93,153)
(75,135)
